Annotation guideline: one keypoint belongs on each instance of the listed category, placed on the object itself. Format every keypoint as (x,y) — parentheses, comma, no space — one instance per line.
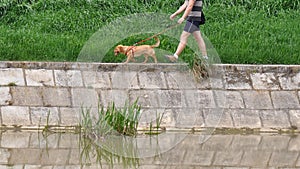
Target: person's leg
(183,41)
(201,43)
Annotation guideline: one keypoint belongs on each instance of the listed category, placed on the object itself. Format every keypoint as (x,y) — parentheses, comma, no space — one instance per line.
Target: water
(32,149)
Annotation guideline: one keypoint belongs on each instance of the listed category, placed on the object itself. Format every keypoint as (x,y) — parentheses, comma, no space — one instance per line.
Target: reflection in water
(29,149)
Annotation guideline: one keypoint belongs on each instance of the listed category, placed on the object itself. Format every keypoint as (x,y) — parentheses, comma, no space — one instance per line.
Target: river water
(33,149)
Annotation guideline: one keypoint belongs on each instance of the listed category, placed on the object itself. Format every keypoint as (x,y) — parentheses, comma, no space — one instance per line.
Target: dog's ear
(120,48)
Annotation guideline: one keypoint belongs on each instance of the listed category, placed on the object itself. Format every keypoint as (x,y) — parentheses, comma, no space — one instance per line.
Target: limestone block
(245,142)
(39,141)
(12,76)
(25,156)
(229,99)
(69,141)
(70,116)
(246,118)
(189,118)
(55,157)
(124,80)
(217,118)
(180,80)
(42,116)
(146,98)
(84,97)
(14,115)
(171,99)
(257,99)
(275,119)
(283,158)
(39,77)
(218,143)
(256,158)
(26,96)
(198,99)
(229,158)
(272,143)
(15,140)
(4,156)
(199,158)
(68,78)
(5,96)
(96,79)
(295,118)
(285,99)
(290,81)
(152,80)
(294,144)
(56,97)
(265,81)
(237,80)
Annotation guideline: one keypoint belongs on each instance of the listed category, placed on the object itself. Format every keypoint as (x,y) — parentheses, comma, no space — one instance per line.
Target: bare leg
(183,41)
(201,43)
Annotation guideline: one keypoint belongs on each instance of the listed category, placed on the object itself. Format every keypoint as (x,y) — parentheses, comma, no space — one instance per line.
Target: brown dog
(136,51)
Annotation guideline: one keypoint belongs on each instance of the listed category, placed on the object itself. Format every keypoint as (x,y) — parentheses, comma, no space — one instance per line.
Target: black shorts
(192,26)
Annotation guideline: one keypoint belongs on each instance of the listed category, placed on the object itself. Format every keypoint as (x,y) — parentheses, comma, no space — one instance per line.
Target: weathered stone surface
(231,158)
(39,141)
(180,80)
(68,78)
(25,156)
(55,157)
(26,96)
(199,158)
(13,140)
(171,99)
(290,81)
(56,97)
(39,77)
(84,97)
(294,144)
(44,116)
(12,77)
(217,118)
(5,97)
(285,99)
(95,79)
(246,118)
(257,99)
(70,116)
(146,98)
(229,99)
(13,115)
(124,80)
(282,159)
(274,143)
(275,119)
(253,158)
(237,80)
(152,80)
(189,118)
(4,156)
(218,143)
(295,118)
(265,81)
(245,142)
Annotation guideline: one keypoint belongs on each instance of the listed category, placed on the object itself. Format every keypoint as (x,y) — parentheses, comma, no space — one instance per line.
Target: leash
(159,33)
(144,40)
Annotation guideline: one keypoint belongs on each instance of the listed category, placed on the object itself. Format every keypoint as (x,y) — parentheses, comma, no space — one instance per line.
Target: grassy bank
(246,31)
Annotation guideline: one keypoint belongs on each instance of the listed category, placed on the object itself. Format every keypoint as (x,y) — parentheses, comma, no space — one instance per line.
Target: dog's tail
(157,42)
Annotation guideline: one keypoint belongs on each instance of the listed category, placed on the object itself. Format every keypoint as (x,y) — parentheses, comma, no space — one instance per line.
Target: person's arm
(187,11)
(180,9)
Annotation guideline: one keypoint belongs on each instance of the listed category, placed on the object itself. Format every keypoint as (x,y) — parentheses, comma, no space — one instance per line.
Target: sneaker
(171,58)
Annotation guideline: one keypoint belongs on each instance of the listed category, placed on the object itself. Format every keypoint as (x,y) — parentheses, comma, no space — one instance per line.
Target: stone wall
(235,96)
(33,150)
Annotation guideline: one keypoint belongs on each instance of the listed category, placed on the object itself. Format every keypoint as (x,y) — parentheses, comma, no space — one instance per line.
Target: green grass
(242,31)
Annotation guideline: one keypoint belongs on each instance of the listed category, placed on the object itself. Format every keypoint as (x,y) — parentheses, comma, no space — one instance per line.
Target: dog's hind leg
(146,59)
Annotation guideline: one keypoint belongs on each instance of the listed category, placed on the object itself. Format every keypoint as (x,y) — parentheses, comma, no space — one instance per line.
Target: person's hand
(180,20)
(172,16)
